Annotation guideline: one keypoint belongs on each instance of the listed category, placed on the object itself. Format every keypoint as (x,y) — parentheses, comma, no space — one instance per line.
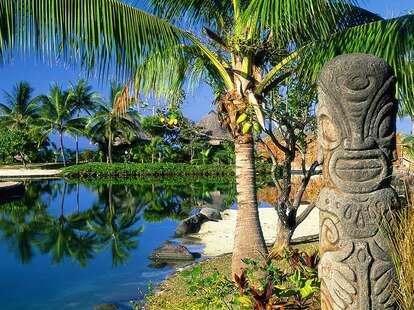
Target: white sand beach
(28,173)
(218,236)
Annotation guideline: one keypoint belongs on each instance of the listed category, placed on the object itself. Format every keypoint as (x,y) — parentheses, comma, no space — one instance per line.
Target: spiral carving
(356,126)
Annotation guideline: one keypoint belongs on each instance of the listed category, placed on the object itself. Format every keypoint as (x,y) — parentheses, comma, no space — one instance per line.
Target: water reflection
(111,222)
(77,223)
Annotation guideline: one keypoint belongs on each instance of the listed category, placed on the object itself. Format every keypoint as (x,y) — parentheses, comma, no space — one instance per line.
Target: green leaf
(245,301)
(308,290)
(241,118)
(246,127)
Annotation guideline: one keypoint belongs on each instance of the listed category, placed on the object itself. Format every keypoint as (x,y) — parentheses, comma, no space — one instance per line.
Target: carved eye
(329,130)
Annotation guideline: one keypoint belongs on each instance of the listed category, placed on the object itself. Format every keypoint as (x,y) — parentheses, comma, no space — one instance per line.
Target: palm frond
(291,20)
(7,28)
(97,33)
(215,13)
(392,40)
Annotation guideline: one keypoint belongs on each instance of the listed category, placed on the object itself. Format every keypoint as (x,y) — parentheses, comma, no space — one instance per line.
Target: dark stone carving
(356,126)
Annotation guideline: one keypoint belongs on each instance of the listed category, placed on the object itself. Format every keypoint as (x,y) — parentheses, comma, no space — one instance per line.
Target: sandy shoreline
(218,236)
(28,173)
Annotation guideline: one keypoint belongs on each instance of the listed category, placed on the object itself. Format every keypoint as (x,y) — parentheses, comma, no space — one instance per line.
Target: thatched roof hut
(211,127)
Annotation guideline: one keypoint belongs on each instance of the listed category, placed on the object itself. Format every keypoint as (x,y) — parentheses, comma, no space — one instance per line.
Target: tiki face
(356,120)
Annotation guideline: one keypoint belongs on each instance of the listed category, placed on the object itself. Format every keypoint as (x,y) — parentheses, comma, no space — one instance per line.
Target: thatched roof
(139,135)
(211,127)
(121,139)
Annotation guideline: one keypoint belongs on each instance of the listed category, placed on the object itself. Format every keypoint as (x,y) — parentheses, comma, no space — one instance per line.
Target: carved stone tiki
(356,127)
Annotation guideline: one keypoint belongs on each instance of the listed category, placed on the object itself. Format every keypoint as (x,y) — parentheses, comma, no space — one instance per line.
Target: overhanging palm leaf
(215,13)
(392,40)
(95,32)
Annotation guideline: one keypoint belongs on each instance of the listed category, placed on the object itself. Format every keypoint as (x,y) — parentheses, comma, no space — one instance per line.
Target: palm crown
(20,108)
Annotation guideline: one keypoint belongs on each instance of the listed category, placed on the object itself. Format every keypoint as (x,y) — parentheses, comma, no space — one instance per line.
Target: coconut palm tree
(57,114)
(108,124)
(83,100)
(242,47)
(20,109)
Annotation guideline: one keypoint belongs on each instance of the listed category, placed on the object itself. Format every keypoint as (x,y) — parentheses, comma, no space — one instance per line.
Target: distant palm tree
(83,99)
(108,124)
(57,114)
(20,108)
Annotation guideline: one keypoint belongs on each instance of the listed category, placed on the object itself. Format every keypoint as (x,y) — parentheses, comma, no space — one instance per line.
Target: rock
(170,251)
(106,307)
(211,214)
(190,225)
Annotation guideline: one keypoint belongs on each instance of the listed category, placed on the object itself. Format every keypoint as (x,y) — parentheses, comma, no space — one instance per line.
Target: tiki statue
(356,126)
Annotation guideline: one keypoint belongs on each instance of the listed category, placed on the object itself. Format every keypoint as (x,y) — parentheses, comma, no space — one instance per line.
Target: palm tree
(83,99)
(20,110)
(245,48)
(108,124)
(57,114)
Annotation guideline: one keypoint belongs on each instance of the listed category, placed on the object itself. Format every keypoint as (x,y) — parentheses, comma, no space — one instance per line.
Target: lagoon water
(76,246)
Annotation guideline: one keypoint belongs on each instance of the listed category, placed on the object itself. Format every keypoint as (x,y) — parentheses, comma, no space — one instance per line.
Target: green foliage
(213,291)
(293,288)
(407,144)
(157,169)
(16,144)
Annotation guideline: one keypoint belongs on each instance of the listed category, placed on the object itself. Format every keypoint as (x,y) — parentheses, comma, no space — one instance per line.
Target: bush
(289,282)
(155,170)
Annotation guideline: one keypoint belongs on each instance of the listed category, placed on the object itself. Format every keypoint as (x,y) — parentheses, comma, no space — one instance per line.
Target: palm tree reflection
(113,222)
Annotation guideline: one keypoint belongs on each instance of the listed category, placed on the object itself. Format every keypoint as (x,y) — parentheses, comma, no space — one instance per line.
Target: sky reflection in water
(74,246)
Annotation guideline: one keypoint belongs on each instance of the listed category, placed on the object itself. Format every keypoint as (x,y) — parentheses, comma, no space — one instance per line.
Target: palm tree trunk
(77,143)
(62,149)
(110,152)
(110,148)
(248,239)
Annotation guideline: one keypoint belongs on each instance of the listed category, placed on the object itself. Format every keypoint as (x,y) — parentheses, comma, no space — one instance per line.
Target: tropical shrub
(156,169)
(16,144)
(293,287)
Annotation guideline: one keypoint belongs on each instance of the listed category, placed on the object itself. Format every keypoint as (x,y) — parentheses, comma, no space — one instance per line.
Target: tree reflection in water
(51,219)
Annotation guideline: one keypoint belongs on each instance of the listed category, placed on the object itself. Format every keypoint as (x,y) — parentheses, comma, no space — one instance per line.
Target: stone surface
(356,126)
(170,251)
(190,225)
(211,214)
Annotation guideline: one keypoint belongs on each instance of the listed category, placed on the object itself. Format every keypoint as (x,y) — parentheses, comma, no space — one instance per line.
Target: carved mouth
(358,171)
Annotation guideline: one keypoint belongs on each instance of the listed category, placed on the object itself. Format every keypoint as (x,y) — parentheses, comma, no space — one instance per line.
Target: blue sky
(40,75)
